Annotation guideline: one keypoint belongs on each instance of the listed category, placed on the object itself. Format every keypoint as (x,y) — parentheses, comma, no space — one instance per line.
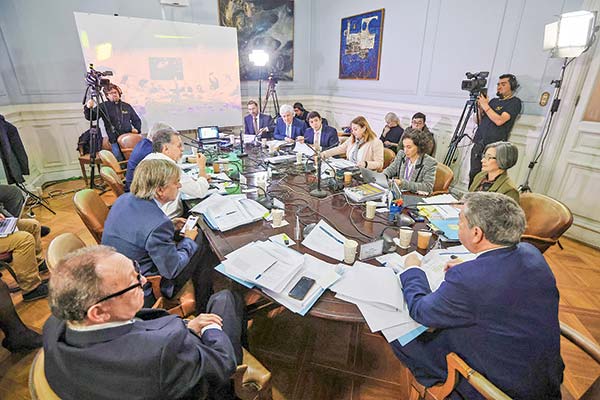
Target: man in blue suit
(257,123)
(100,343)
(288,128)
(323,137)
(499,312)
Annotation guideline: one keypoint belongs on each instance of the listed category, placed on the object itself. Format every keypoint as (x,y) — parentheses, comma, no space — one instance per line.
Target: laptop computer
(208,134)
(374,177)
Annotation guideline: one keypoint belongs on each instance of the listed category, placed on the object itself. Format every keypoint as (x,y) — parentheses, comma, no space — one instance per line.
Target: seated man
(167,145)
(140,151)
(417,124)
(300,113)
(499,312)
(288,128)
(323,137)
(26,247)
(255,123)
(99,343)
(138,228)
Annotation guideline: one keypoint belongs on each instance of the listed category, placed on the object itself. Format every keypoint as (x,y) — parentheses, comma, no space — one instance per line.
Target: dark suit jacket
(329,137)
(499,313)
(264,120)
(140,230)
(140,151)
(12,152)
(298,128)
(156,357)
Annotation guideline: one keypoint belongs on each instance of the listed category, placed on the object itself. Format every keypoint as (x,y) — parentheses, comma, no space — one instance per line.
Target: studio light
(259,58)
(570,35)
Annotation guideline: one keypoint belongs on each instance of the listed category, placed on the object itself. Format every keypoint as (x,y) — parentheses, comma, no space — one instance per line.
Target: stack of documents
(304,149)
(227,212)
(325,240)
(439,211)
(365,192)
(341,163)
(276,269)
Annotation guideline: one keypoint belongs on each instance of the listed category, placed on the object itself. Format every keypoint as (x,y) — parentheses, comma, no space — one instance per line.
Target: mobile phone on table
(301,288)
(189,224)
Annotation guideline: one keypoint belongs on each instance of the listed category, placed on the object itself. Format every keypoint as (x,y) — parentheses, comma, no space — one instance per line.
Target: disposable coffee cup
(404,236)
(298,158)
(371,207)
(350,247)
(232,139)
(423,238)
(277,217)
(347,178)
(217,167)
(263,141)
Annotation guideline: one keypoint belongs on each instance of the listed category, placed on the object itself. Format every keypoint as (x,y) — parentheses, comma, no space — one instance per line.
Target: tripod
(271,93)
(38,200)
(459,132)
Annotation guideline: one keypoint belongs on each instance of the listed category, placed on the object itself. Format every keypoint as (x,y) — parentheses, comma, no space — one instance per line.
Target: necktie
(317,141)
(255,123)
(288,131)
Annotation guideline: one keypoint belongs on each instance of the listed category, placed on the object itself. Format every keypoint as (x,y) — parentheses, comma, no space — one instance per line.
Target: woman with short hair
(392,132)
(497,158)
(362,148)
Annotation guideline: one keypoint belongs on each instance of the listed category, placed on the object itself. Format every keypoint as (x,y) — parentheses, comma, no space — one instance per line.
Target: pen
(286,239)
(331,235)
(453,253)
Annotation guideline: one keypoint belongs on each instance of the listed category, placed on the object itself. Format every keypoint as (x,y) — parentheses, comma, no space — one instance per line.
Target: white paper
(325,240)
(397,331)
(304,149)
(251,263)
(447,211)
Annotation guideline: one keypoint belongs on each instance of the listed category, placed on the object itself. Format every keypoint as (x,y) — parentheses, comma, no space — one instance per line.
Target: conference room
(301,199)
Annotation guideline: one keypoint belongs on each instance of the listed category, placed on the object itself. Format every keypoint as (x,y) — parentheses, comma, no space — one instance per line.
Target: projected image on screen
(184,74)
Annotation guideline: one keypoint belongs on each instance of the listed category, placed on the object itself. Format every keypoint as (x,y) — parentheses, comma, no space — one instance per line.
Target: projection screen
(184,74)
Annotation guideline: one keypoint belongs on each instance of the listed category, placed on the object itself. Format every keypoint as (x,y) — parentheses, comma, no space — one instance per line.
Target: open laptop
(381,180)
(208,134)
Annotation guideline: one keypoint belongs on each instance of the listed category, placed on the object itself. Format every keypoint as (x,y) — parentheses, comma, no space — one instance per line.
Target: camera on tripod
(94,79)
(475,83)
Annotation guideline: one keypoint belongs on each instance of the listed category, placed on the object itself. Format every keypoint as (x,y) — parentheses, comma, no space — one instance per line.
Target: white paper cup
(298,158)
(404,236)
(423,239)
(277,216)
(263,142)
(350,247)
(371,207)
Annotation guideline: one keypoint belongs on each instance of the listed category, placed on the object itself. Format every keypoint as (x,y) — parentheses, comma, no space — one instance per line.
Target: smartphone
(189,224)
(301,288)
(416,216)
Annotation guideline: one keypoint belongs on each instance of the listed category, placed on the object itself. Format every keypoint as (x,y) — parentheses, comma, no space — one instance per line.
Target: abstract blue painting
(360,45)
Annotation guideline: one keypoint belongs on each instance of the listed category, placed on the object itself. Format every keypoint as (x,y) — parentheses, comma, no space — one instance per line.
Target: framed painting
(266,25)
(360,45)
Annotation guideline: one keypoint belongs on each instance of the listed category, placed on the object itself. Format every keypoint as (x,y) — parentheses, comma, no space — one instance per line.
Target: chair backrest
(388,157)
(60,246)
(92,211)
(109,159)
(114,181)
(38,384)
(127,142)
(547,219)
(443,178)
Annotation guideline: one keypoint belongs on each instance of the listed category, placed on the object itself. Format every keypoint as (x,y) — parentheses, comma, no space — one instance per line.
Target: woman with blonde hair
(363,148)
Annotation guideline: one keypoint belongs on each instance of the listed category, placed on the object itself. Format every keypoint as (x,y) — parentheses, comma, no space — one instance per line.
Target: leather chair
(60,246)
(457,366)
(109,159)
(388,157)
(38,385)
(547,220)
(92,211)
(112,179)
(443,178)
(84,159)
(182,304)
(127,142)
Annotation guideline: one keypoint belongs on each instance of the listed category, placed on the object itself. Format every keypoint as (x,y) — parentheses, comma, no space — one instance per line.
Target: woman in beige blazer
(362,148)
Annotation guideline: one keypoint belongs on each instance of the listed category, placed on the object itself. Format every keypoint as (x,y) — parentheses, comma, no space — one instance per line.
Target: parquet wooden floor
(317,359)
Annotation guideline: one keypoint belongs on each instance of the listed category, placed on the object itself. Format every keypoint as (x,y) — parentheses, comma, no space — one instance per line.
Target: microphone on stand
(318,192)
(242,154)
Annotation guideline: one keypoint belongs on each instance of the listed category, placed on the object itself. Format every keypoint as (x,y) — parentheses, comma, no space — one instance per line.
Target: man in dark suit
(99,343)
(323,137)
(256,123)
(288,128)
(499,312)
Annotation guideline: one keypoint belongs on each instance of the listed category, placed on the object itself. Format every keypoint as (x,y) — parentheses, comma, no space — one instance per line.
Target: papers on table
(443,212)
(227,212)
(341,163)
(249,138)
(276,269)
(325,240)
(448,226)
(304,149)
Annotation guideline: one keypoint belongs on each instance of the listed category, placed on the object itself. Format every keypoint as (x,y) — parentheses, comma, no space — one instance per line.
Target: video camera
(94,79)
(475,83)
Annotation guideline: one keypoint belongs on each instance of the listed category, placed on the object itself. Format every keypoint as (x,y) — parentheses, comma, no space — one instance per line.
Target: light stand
(259,58)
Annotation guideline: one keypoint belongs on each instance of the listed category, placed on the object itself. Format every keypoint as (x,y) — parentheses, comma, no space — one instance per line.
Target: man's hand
(483,102)
(133,130)
(90,103)
(300,139)
(2,217)
(398,182)
(191,233)
(452,264)
(201,162)
(203,320)
(288,140)
(411,261)
(178,223)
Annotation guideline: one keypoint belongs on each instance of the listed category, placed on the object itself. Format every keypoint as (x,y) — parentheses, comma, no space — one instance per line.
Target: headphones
(512,81)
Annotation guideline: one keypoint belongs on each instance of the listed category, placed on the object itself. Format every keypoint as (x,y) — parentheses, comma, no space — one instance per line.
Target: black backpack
(84,142)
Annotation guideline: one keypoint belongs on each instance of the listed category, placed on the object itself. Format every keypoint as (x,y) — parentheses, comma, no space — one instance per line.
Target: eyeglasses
(136,267)
(489,157)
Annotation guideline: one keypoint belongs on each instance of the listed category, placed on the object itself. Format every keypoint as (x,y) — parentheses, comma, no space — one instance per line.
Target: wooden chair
(109,159)
(127,142)
(84,159)
(443,178)
(547,220)
(92,211)
(388,157)
(38,384)
(457,366)
(182,304)
(60,246)
(113,180)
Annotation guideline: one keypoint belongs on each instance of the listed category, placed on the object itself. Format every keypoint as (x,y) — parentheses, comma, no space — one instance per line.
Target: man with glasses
(417,123)
(100,343)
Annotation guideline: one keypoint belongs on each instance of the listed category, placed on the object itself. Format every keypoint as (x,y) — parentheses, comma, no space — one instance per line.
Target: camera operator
(495,118)
(118,117)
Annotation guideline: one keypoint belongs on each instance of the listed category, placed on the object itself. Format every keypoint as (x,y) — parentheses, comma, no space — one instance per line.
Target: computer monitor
(208,133)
